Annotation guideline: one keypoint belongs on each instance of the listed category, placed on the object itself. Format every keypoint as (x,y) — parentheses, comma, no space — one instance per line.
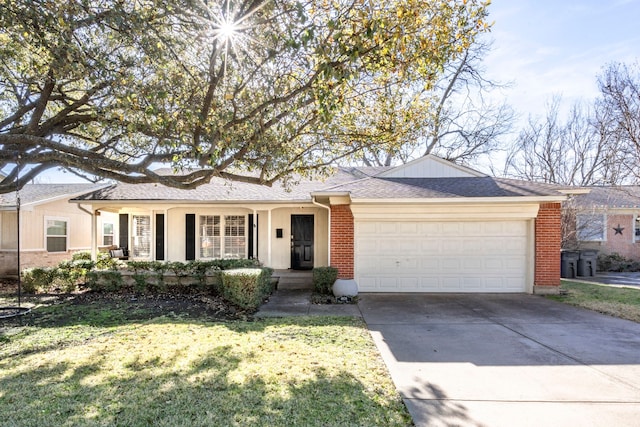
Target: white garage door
(424,256)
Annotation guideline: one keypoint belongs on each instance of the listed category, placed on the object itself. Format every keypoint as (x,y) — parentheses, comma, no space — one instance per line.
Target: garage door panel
(488,256)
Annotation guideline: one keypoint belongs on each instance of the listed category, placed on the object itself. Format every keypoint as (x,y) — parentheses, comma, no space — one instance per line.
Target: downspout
(94,226)
(315,202)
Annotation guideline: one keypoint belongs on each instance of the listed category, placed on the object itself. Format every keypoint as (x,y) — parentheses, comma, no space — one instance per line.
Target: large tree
(456,117)
(252,90)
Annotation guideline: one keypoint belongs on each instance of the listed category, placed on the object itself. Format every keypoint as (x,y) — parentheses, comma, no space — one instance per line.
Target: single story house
(51,229)
(425,226)
(607,219)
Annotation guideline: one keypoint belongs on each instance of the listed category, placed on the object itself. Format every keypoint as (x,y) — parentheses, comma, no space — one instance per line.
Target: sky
(558,47)
(546,48)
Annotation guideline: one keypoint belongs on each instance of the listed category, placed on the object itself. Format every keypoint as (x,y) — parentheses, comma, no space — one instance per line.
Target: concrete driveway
(506,360)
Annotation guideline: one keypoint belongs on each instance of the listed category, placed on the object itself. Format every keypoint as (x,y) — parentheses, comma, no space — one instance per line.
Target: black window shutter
(159,237)
(253,222)
(123,238)
(190,233)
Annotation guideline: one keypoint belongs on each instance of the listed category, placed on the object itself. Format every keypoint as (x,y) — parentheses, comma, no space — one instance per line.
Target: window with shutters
(234,236)
(209,236)
(222,236)
(141,236)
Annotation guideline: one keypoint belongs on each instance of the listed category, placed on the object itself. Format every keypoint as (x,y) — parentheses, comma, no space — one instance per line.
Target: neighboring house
(426,226)
(608,219)
(51,228)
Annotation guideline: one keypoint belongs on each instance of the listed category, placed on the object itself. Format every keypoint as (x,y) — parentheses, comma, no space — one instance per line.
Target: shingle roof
(34,193)
(626,196)
(223,190)
(459,187)
(359,182)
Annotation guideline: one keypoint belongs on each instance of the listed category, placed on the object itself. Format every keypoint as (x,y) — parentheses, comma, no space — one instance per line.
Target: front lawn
(111,362)
(619,302)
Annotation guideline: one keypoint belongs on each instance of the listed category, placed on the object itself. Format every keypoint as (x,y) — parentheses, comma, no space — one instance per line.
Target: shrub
(324,278)
(37,279)
(616,262)
(106,262)
(246,287)
(82,255)
(104,280)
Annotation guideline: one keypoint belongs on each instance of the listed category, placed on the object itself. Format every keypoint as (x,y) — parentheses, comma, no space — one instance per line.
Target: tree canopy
(252,90)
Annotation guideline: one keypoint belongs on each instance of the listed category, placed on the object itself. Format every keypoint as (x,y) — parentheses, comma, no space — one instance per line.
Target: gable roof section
(430,167)
(377,188)
(37,194)
(443,181)
(619,197)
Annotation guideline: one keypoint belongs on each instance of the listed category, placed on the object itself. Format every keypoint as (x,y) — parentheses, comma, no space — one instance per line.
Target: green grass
(615,301)
(90,365)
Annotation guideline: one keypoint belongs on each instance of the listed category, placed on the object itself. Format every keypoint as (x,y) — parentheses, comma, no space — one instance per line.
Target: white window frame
(112,235)
(46,233)
(209,236)
(227,242)
(636,228)
(586,235)
(137,247)
(235,244)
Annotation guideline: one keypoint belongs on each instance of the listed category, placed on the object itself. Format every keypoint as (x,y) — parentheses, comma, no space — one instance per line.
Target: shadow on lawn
(159,391)
(106,311)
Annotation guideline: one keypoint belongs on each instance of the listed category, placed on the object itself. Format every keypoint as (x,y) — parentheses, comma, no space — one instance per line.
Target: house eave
(461,200)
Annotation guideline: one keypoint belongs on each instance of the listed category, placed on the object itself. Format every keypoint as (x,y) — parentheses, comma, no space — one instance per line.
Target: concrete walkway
(297,302)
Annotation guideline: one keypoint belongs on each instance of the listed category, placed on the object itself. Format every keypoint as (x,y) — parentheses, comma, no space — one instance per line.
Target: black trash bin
(569,264)
(587,262)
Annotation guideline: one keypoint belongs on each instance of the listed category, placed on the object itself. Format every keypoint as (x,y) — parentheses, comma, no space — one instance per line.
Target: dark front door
(301,242)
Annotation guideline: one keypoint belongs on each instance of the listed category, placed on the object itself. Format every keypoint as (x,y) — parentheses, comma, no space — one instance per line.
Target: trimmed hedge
(323,279)
(246,287)
(241,281)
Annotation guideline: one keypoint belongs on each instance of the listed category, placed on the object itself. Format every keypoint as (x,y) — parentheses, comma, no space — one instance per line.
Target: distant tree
(250,90)
(454,118)
(618,112)
(575,151)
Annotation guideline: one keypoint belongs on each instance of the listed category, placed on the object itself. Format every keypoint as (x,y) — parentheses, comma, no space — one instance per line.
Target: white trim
(531,249)
(429,157)
(64,196)
(462,200)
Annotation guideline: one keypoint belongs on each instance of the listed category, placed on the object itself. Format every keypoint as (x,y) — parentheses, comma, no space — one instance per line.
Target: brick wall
(342,240)
(621,243)
(548,243)
(30,259)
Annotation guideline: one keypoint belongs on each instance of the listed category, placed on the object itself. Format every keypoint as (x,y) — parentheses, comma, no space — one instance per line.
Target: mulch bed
(196,305)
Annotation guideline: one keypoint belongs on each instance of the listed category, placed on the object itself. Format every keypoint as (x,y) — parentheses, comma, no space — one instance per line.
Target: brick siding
(342,240)
(30,259)
(548,241)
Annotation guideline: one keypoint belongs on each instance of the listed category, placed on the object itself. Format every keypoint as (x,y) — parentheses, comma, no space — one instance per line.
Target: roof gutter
(463,200)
